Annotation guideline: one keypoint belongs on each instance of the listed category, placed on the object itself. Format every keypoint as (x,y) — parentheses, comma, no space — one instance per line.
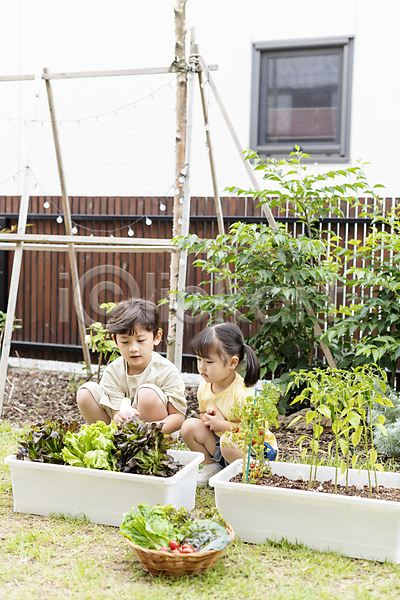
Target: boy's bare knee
(148,400)
(83,396)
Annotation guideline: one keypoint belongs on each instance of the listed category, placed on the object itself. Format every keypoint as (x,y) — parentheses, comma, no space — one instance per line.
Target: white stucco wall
(130,151)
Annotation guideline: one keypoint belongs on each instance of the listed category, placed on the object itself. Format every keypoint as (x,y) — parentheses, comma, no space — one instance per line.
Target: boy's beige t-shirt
(235,394)
(116,384)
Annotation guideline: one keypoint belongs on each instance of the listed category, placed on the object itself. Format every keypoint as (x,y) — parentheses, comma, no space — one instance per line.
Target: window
(301,96)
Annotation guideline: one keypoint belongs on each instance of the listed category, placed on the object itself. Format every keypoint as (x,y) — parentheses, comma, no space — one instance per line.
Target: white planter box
(100,496)
(356,527)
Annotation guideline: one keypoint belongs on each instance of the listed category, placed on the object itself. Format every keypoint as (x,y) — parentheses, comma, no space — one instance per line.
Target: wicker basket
(177,565)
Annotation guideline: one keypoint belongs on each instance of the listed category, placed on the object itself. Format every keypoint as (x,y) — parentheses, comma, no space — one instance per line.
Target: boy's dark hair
(129,314)
(226,340)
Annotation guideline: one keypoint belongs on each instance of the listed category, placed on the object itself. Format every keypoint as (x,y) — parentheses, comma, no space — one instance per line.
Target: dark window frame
(318,151)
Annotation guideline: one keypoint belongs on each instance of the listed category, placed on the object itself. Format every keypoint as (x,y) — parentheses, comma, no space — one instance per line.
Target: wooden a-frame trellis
(181,217)
(21,241)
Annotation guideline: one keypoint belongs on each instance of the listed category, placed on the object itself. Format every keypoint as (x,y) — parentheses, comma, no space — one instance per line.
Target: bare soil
(327,487)
(35,396)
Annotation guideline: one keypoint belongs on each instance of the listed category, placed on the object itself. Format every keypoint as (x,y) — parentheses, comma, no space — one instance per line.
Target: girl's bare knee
(228,451)
(190,425)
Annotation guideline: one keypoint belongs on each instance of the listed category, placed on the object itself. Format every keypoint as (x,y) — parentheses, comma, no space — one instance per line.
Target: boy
(151,382)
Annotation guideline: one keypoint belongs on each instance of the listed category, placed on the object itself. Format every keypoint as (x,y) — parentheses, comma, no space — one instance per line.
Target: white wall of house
(118,133)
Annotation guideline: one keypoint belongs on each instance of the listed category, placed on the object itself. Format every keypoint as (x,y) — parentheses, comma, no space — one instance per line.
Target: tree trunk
(180,67)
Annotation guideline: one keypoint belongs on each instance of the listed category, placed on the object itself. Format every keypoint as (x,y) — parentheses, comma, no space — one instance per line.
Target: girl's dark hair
(226,340)
(129,314)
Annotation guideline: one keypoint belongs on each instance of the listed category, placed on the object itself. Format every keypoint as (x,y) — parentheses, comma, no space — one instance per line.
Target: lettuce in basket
(91,447)
(149,527)
(154,527)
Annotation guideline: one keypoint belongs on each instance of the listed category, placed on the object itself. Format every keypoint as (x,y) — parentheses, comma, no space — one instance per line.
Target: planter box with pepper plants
(352,507)
(100,471)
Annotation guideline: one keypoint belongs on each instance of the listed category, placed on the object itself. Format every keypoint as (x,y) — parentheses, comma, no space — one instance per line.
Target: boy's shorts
(269,452)
(97,392)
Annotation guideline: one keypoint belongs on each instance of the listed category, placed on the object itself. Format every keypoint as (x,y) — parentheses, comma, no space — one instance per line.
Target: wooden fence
(45,298)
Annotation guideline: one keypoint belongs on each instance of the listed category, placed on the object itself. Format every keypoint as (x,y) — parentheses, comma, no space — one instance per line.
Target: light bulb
(162,207)
(130,232)
(74,230)
(148,221)
(59,219)
(46,204)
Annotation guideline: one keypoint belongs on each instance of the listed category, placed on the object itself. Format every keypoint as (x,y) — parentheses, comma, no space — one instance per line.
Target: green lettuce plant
(91,447)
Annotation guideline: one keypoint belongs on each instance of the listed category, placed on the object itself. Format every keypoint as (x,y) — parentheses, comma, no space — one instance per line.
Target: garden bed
(325,487)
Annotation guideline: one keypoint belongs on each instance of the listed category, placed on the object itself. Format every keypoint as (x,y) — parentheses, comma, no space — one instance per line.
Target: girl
(219,350)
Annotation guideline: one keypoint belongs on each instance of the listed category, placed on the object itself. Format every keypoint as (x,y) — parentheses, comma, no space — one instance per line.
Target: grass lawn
(56,558)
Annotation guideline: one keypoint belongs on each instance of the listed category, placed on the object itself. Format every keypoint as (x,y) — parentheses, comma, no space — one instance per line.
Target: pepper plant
(99,340)
(367,327)
(279,281)
(253,417)
(3,317)
(348,398)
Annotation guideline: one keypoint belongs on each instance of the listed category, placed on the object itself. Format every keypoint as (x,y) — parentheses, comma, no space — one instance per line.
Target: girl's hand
(215,420)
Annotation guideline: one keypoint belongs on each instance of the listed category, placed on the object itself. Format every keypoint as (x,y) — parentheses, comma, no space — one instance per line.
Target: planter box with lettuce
(100,471)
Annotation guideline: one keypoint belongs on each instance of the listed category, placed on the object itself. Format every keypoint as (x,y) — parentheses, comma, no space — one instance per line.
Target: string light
(60,217)
(113,111)
(13,176)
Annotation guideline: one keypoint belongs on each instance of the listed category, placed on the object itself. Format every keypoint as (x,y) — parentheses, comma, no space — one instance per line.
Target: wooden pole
(217,198)
(268,214)
(81,74)
(182,269)
(68,228)
(267,211)
(180,164)
(17,262)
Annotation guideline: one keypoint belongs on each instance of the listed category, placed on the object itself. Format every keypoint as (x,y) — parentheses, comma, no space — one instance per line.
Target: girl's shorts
(269,452)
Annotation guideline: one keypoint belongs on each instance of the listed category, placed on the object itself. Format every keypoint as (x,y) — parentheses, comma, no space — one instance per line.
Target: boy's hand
(119,418)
